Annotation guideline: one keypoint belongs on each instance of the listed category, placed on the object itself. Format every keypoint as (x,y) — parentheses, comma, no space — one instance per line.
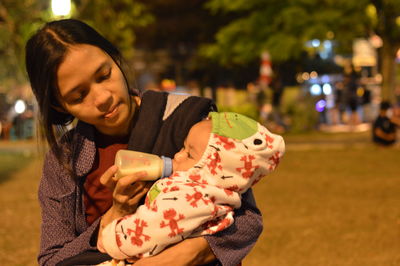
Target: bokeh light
(327,89)
(19,106)
(61,7)
(320,106)
(315,89)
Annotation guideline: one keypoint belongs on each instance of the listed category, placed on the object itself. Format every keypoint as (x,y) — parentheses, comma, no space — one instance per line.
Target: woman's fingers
(130,184)
(107,178)
(136,198)
(128,191)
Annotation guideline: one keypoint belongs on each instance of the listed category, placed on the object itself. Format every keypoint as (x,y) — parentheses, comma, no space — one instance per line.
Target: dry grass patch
(19,212)
(331,207)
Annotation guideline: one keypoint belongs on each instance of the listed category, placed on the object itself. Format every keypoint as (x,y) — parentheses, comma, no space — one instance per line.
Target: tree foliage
(178,22)
(180,28)
(19,19)
(116,20)
(283,26)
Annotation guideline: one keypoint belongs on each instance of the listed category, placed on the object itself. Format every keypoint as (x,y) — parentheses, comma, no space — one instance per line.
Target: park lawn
(10,163)
(324,205)
(331,207)
(19,212)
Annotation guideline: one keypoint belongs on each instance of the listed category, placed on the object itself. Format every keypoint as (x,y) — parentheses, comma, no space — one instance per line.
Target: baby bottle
(130,162)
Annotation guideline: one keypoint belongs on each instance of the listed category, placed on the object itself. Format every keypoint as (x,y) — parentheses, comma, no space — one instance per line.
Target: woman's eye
(77,100)
(104,76)
(189,155)
(79,97)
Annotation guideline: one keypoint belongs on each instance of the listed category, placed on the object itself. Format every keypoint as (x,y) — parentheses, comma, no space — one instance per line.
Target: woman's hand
(192,251)
(127,192)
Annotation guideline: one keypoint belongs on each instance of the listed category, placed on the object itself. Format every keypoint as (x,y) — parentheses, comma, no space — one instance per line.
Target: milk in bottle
(130,162)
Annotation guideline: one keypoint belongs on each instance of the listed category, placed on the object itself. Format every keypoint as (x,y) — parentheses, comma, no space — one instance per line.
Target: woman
(75,73)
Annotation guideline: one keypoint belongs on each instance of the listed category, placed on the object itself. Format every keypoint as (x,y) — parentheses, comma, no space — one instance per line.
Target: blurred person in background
(277,88)
(351,83)
(384,127)
(5,129)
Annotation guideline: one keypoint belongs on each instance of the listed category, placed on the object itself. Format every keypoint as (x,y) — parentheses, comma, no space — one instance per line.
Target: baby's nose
(179,156)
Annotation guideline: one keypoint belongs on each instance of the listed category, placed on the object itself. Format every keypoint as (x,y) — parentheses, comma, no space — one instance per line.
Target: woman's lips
(112,113)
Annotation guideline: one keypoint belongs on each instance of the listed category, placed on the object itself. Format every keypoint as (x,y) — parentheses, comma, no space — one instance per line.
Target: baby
(222,157)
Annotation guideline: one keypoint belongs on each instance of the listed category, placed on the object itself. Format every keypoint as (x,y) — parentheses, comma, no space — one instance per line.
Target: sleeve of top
(57,197)
(231,245)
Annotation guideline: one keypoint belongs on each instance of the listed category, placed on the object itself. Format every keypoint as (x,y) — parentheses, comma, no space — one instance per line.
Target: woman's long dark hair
(44,52)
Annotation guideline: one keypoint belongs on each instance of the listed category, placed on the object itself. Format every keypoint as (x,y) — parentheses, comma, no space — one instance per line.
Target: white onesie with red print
(201,200)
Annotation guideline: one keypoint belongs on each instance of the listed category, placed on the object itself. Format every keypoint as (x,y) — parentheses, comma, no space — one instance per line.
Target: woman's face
(93,89)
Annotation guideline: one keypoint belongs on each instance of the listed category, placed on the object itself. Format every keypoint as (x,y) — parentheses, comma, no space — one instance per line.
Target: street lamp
(61,8)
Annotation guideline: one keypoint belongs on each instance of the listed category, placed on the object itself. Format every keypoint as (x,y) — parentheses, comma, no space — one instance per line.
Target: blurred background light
(19,106)
(313,74)
(315,43)
(325,79)
(330,35)
(61,7)
(305,76)
(360,91)
(299,78)
(320,105)
(327,89)
(398,21)
(315,89)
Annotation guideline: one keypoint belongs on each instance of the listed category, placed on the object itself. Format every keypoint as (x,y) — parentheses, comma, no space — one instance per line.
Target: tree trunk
(388,55)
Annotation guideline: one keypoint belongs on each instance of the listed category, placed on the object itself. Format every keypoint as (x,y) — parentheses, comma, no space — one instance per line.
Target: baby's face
(194,146)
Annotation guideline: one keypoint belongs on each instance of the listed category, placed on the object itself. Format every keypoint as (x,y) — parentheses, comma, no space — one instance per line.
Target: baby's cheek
(184,165)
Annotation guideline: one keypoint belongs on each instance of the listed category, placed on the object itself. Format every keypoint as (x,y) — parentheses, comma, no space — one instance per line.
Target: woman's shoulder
(164,120)
(77,150)
(172,104)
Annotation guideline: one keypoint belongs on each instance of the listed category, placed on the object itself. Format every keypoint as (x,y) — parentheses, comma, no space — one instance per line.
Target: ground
(333,200)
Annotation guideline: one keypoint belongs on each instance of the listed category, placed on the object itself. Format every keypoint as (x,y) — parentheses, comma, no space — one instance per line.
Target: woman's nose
(102,98)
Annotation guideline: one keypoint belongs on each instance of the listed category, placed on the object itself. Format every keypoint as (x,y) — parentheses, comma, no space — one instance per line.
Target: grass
(325,205)
(331,207)
(19,212)
(9,163)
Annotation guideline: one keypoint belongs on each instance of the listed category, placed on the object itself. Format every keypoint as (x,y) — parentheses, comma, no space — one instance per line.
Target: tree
(283,27)
(385,15)
(179,28)
(116,20)
(17,21)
